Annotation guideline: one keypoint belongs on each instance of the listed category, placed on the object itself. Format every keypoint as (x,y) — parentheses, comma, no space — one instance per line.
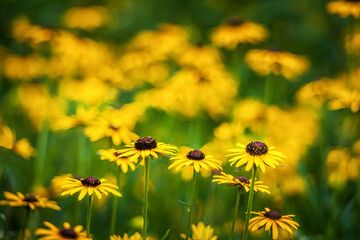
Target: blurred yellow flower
(86,17)
(88,90)
(255,154)
(24,67)
(112,155)
(342,166)
(28,200)
(64,233)
(82,118)
(272,220)
(23,30)
(38,104)
(275,61)
(240,182)
(344,8)
(236,31)
(90,186)
(204,55)
(201,232)
(21,147)
(346,99)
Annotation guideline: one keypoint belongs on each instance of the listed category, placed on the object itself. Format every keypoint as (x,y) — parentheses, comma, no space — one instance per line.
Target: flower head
(146,147)
(28,200)
(201,232)
(240,182)
(345,8)
(272,219)
(135,236)
(88,185)
(112,155)
(255,154)
(21,147)
(195,158)
(275,61)
(64,233)
(236,31)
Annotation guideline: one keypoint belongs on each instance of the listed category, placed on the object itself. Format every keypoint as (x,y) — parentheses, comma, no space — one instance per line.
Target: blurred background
(80,76)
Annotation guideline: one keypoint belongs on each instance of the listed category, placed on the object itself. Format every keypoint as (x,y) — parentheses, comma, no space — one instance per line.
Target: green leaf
(183,203)
(166,234)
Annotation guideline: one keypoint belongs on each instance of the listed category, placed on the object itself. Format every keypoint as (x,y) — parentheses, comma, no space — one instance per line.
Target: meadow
(199,120)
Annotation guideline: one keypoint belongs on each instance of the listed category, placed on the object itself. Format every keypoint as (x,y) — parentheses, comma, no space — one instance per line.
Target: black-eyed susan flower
(197,159)
(28,200)
(240,182)
(82,117)
(271,220)
(346,99)
(255,154)
(86,17)
(201,232)
(344,8)
(146,147)
(64,233)
(135,236)
(90,186)
(21,147)
(112,155)
(236,31)
(275,61)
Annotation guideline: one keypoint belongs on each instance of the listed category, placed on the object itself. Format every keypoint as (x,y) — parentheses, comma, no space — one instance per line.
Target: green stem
(26,223)
(146,197)
(250,202)
(268,89)
(41,145)
(270,234)
(235,213)
(350,55)
(82,151)
(115,203)
(88,220)
(189,209)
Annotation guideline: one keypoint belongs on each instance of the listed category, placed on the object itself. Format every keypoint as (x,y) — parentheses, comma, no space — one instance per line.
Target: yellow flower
(88,185)
(135,236)
(116,124)
(271,220)
(85,17)
(255,154)
(28,67)
(274,61)
(346,99)
(197,159)
(229,35)
(82,117)
(146,147)
(30,201)
(112,155)
(344,8)
(21,147)
(240,182)
(204,55)
(64,233)
(201,232)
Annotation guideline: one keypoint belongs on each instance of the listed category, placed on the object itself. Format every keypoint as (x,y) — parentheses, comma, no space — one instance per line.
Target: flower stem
(88,220)
(146,197)
(115,203)
(190,205)
(26,223)
(235,213)
(41,145)
(270,234)
(250,202)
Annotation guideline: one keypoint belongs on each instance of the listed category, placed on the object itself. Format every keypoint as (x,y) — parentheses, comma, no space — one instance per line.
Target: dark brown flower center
(195,155)
(243,179)
(30,198)
(113,128)
(274,49)
(68,233)
(257,148)
(235,22)
(353,0)
(90,182)
(272,215)
(146,143)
